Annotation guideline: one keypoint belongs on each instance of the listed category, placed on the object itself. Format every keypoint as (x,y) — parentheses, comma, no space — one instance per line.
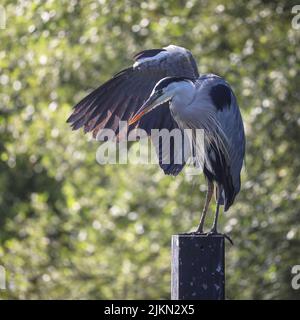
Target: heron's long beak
(145,108)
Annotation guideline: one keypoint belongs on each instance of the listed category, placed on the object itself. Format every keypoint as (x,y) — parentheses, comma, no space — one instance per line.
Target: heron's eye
(159,91)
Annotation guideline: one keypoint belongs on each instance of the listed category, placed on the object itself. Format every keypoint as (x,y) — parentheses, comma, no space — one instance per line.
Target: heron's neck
(183,95)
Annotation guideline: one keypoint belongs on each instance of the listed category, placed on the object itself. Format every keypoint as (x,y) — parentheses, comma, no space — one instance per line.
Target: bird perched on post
(163,90)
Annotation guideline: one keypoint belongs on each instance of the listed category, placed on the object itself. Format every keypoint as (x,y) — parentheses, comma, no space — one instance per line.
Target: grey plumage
(121,97)
(186,100)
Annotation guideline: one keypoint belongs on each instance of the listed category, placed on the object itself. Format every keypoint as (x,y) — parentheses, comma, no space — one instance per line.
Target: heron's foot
(214,232)
(197,232)
(201,233)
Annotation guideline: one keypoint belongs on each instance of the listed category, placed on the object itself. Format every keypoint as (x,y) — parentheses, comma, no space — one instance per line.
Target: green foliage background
(70,228)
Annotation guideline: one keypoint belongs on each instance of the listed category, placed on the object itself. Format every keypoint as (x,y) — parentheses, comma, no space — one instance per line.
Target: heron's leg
(215,225)
(214,229)
(209,193)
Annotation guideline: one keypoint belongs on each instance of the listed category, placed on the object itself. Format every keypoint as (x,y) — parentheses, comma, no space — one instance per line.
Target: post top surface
(197,235)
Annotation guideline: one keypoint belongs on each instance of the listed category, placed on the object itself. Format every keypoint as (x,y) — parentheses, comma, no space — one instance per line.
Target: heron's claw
(213,233)
(199,231)
(210,233)
(195,233)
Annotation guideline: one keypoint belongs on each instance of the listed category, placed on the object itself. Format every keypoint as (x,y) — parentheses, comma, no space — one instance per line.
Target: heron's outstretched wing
(121,97)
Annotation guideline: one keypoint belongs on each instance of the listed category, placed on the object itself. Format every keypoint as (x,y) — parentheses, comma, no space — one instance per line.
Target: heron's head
(163,91)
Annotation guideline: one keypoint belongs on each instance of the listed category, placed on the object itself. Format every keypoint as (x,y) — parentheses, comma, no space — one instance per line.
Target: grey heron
(163,90)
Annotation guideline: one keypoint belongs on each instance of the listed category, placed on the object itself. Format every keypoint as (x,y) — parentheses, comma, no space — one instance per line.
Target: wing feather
(110,100)
(122,96)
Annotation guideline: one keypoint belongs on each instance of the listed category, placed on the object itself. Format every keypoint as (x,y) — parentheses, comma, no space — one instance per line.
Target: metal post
(198,267)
